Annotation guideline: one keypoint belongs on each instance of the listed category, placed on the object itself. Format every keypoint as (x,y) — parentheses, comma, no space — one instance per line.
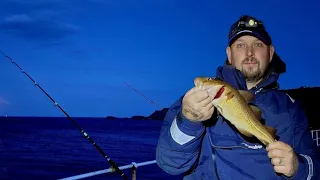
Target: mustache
(252,59)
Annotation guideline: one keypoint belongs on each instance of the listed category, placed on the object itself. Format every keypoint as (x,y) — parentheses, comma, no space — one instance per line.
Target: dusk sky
(82,51)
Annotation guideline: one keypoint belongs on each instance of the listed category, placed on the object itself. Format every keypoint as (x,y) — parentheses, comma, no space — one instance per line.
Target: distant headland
(156,115)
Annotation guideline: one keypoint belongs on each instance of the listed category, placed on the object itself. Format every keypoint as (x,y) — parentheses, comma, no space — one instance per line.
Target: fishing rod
(143,95)
(112,163)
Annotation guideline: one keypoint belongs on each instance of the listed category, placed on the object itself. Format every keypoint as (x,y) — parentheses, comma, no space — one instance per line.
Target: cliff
(157,115)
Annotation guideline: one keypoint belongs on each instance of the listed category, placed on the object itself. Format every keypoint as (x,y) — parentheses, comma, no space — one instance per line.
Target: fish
(234,106)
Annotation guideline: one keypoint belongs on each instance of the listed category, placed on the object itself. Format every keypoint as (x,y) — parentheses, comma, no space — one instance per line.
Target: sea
(48,148)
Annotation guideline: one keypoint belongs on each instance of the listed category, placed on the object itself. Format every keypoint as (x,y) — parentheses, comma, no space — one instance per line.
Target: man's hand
(197,103)
(283,158)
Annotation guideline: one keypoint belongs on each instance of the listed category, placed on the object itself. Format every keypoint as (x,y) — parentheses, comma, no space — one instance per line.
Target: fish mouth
(219,93)
(197,82)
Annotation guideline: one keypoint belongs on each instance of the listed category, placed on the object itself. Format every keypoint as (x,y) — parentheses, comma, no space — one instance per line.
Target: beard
(251,74)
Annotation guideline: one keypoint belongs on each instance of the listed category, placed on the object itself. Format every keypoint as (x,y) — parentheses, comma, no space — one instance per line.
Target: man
(199,144)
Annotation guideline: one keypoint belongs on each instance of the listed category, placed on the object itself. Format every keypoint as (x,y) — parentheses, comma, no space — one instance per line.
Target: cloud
(3,101)
(41,27)
(42,20)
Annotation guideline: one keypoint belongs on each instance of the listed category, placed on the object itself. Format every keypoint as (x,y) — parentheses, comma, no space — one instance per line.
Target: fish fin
(257,111)
(219,109)
(229,95)
(246,133)
(272,131)
(218,113)
(264,142)
(246,95)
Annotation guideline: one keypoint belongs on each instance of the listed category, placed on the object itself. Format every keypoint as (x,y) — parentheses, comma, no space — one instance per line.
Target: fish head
(207,81)
(215,85)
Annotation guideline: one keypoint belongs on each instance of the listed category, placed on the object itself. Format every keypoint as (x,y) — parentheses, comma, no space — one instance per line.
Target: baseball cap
(248,25)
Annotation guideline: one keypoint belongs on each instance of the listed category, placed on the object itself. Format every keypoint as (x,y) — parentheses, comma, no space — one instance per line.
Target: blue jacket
(213,150)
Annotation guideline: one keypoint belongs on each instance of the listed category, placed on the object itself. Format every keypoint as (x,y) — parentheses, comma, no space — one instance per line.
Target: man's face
(251,56)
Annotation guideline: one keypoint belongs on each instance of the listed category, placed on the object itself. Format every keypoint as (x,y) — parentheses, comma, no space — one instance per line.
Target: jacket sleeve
(305,148)
(179,142)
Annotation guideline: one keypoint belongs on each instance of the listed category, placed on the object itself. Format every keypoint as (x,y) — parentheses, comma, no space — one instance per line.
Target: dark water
(53,148)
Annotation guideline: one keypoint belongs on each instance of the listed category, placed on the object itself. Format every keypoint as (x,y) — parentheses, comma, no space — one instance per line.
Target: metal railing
(133,167)
(315,136)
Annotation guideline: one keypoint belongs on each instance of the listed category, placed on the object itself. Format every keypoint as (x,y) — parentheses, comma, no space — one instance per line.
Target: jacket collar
(234,77)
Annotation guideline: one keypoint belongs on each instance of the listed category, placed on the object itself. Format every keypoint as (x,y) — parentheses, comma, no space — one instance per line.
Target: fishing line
(112,163)
(143,95)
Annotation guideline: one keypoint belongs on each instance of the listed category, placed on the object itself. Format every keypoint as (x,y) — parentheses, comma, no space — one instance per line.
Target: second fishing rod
(111,162)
